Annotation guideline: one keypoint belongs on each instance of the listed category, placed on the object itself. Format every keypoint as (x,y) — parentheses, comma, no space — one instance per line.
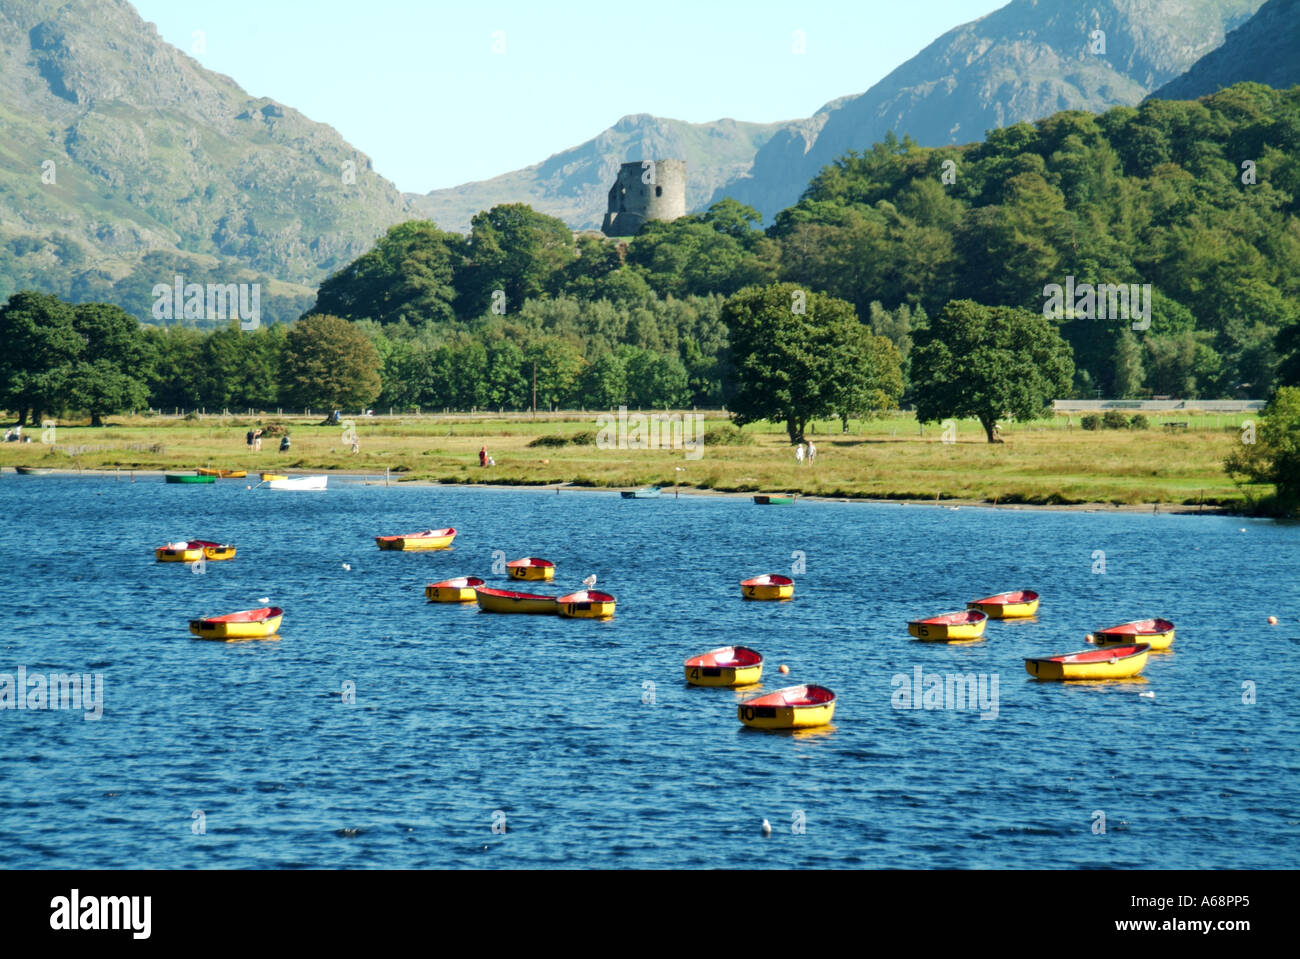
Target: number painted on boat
(747,711)
(922,630)
(749,590)
(695,672)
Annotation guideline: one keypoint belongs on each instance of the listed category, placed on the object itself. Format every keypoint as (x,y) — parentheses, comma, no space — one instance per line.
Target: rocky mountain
(122,159)
(1265,49)
(1025,61)
(573,184)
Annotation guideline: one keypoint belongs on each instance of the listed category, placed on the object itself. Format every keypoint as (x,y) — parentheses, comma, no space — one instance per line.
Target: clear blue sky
(417,85)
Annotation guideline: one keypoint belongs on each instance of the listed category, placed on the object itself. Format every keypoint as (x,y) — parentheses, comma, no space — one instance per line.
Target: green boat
(764,500)
(189,478)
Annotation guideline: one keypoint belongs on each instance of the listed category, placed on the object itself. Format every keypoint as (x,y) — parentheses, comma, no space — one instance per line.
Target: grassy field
(1051,462)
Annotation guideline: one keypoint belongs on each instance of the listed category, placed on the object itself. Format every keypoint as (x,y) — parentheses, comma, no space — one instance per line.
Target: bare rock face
(1265,49)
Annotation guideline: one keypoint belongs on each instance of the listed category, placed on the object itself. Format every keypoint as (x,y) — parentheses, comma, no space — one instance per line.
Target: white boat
(300,483)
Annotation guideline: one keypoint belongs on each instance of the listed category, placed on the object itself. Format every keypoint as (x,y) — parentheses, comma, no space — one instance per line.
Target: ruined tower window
(659,191)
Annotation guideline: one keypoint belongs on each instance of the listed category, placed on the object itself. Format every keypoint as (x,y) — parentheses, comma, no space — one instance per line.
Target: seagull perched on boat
(590,581)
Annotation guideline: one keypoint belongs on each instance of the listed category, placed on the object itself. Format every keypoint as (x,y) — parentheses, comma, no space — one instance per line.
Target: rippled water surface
(583,735)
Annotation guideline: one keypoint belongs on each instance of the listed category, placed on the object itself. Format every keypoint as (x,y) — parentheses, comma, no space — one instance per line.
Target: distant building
(645,190)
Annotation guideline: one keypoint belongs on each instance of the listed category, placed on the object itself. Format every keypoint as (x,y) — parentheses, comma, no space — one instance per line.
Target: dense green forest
(1200,200)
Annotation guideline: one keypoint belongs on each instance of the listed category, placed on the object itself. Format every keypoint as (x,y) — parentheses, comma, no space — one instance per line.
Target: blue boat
(645,492)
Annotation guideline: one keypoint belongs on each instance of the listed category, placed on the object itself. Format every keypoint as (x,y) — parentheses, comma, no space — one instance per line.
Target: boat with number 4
(770,586)
(795,707)
(246,624)
(1156,633)
(728,666)
(429,539)
(1116,662)
(531,568)
(458,590)
(1014,605)
(587,604)
(509,601)
(967,624)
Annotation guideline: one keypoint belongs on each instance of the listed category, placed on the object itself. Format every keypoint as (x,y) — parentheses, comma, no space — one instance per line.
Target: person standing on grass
(257,440)
(812,452)
(248,438)
(798,454)
(482,455)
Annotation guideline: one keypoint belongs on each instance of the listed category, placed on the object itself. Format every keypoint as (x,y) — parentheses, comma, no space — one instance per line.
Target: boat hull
(774,500)
(185,478)
(498,601)
(33,470)
(534,574)
(223,474)
(786,717)
(782,591)
(947,632)
(411,544)
(724,675)
(165,555)
(453,591)
(650,492)
(586,606)
(1006,610)
(207,629)
(1117,667)
(1158,641)
(268,477)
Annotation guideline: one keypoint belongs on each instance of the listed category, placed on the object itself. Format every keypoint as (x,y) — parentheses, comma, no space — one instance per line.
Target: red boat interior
(794,696)
(1008,599)
(511,594)
(529,561)
(1140,628)
(727,656)
(586,596)
(956,619)
(770,579)
(1098,655)
(460,582)
(247,615)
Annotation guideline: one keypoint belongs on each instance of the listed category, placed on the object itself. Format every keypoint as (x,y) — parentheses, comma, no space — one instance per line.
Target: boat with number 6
(509,601)
(770,586)
(458,590)
(1014,605)
(728,666)
(1156,633)
(531,568)
(795,707)
(246,624)
(429,539)
(587,604)
(966,624)
(1116,662)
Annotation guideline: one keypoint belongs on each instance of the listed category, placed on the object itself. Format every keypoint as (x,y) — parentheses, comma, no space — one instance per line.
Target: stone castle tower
(645,190)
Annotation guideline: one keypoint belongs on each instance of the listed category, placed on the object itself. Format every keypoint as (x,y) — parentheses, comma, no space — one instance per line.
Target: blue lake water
(583,735)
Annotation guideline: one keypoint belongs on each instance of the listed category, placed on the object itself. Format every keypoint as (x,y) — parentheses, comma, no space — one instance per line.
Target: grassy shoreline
(1050,463)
